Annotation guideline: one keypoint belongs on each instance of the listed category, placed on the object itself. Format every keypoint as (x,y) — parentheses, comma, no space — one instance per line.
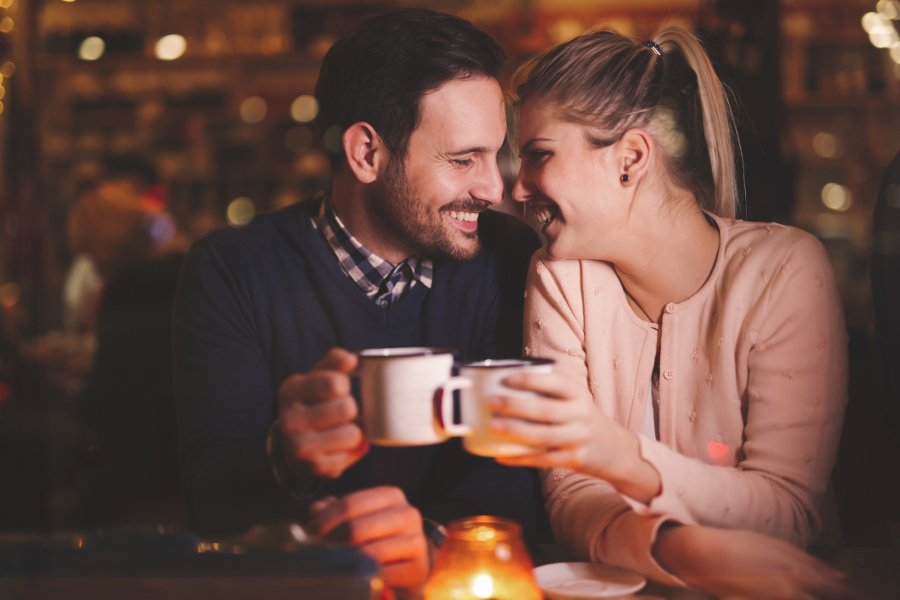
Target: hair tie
(654,46)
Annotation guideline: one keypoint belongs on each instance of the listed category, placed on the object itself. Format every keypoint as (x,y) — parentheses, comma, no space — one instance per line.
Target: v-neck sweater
(753,385)
(258,304)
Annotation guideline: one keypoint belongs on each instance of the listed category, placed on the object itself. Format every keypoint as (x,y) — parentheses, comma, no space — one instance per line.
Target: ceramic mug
(486,377)
(400,390)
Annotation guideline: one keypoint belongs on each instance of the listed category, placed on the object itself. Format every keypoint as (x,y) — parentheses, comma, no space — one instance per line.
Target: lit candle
(483,558)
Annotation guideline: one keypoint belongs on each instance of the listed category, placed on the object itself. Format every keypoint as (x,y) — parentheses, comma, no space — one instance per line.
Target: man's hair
(378,71)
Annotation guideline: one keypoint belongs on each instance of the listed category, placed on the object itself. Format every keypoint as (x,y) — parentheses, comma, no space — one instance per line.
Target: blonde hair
(108,223)
(610,84)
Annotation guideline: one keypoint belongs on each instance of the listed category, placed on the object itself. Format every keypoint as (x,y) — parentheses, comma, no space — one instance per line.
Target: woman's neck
(668,260)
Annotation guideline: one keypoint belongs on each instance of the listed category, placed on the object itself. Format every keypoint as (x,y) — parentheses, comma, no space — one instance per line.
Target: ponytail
(718,120)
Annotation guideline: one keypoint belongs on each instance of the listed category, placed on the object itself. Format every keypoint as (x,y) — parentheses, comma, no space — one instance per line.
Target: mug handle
(444,410)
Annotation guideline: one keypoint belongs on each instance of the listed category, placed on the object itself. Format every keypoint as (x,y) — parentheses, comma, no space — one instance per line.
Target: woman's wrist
(630,473)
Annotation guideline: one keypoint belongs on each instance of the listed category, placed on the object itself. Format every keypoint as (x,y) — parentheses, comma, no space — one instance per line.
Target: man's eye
(463,162)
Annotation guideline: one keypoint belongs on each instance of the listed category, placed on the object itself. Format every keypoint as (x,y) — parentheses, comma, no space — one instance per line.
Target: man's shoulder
(268,233)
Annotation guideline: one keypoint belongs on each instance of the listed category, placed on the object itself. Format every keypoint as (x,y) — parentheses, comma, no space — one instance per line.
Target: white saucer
(585,581)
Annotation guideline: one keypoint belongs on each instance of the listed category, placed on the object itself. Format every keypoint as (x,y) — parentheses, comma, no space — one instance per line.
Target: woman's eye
(537,155)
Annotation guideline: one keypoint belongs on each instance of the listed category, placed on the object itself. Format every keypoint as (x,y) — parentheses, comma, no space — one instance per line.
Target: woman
(702,360)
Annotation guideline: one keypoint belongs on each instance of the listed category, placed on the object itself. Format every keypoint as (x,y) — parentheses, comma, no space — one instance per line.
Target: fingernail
(515,379)
(498,425)
(497,402)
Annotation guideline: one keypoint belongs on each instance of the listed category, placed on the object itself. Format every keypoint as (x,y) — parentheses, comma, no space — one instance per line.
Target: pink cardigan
(753,384)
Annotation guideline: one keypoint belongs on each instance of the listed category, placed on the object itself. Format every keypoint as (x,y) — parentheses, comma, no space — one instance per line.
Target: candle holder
(483,558)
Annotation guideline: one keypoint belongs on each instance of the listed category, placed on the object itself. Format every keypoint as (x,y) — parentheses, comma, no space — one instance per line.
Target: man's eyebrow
(532,141)
(476,150)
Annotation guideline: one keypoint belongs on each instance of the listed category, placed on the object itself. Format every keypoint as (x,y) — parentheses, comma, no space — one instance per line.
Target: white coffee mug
(401,390)
(486,377)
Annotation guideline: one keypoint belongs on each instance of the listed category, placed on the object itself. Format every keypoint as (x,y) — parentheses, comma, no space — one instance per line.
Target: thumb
(337,359)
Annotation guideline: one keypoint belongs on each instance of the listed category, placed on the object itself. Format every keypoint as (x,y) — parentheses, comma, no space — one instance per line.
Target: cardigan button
(670,308)
(669,373)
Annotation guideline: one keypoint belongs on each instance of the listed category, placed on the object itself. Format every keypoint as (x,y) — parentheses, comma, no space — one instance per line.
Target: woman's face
(572,186)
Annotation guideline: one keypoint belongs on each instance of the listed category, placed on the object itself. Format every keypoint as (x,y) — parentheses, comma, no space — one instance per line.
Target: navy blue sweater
(258,304)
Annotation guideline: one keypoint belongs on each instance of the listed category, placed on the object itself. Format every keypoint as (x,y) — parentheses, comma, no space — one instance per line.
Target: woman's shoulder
(765,253)
(768,242)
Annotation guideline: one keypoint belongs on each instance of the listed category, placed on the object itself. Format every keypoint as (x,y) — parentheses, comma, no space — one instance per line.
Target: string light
(253,109)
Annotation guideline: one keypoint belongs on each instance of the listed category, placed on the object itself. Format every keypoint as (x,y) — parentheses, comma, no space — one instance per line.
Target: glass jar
(483,558)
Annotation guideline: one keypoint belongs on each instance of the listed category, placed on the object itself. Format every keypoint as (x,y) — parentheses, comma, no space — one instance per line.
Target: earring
(624,178)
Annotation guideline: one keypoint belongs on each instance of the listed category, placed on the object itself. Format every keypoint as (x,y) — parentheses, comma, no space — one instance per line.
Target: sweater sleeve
(589,518)
(797,391)
(224,401)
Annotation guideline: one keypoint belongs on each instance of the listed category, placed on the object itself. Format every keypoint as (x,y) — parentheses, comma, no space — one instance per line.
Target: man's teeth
(543,215)
(459,215)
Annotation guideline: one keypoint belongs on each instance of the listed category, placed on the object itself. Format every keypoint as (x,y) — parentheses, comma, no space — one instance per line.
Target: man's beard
(416,224)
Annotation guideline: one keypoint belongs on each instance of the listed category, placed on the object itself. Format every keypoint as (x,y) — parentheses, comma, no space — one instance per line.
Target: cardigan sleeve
(589,518)
(797,391)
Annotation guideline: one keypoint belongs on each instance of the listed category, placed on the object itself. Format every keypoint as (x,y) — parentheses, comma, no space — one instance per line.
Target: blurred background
(129,128)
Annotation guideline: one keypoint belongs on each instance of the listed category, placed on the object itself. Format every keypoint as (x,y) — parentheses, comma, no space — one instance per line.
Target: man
(400,252)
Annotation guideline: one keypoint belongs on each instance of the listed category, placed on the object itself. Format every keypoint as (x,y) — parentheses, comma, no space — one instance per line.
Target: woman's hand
(745,564)
(567,430)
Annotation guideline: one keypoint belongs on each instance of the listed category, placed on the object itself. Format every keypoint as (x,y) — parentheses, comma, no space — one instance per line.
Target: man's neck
(350,200)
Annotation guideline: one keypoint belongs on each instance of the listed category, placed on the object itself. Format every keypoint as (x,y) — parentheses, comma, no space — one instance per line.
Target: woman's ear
(634,155)
(365,151)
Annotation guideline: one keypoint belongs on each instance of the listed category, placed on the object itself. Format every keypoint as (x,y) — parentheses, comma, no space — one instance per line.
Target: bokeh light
(253,109)
(2,92)
(304,109)
(298,139)
(895,53)
(836,197)
(8,69)
(10,294)
(91,48)
(170,47)
(6,25)
(6,3)
(872,22)
(240,212)
(888,9)
(332,139)
(4,392)
(826,144)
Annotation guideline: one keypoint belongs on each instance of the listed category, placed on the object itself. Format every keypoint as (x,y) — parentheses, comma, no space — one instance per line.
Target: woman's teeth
(544,215)
(471,217)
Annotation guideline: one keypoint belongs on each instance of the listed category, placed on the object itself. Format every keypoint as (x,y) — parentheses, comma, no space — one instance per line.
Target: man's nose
(490,185)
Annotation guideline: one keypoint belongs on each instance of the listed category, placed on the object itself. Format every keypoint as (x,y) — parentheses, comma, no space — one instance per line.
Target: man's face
(432,200)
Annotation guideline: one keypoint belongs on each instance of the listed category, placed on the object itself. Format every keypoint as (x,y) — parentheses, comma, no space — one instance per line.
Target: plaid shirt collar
(382,282)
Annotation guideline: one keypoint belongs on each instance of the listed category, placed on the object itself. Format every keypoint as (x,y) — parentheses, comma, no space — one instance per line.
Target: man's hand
(381,523)
(316,413)
(745,564)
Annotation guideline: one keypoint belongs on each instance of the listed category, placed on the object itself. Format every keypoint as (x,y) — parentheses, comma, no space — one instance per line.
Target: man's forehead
(465,110)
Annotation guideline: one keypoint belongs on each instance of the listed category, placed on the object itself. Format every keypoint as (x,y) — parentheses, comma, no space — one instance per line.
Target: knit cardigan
(753,384)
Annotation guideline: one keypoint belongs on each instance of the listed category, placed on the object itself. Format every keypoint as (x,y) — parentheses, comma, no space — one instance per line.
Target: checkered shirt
(383,282)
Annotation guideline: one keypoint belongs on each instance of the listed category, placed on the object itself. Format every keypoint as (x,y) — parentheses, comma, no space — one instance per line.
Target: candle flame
(483,586)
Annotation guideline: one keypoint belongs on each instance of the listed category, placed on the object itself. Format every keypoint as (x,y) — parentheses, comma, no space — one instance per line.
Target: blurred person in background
(127,403)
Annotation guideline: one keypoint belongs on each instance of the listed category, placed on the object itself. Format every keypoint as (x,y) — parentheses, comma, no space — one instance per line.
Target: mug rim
(405,352)
(507,363)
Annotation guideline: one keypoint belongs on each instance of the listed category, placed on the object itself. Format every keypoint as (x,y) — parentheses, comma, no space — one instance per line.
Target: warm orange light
(483,557)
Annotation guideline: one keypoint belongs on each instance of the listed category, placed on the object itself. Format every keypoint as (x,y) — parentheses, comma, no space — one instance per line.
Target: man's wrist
(303,491)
